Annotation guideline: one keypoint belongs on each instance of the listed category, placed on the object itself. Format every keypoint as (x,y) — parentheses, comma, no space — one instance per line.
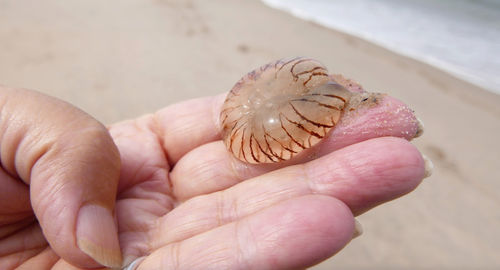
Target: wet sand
(133,57)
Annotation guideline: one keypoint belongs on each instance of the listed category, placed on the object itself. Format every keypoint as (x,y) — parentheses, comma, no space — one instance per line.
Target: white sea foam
(459,36)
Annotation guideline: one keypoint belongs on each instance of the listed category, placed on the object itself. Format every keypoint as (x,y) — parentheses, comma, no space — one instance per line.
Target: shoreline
(479,95)
(456,71)
(445,81)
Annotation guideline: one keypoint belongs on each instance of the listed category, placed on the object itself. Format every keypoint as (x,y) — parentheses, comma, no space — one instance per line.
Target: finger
(12,261)
(187,125)
(143,158)
(14,200)
(358,175)
(293,234)
(43,260)
(211,167)
(72,167)
(17,248)
(10,228)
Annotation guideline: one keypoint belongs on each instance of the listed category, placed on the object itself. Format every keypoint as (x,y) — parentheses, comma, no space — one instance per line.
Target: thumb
(72,166)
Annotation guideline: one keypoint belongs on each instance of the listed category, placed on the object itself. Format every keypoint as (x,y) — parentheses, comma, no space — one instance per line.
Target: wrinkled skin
(182,200)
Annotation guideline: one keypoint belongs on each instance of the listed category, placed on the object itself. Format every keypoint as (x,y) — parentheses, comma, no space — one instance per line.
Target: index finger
(187,125)
(210,167)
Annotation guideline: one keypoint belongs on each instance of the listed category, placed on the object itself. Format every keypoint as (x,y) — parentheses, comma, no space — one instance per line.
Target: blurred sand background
(121,59)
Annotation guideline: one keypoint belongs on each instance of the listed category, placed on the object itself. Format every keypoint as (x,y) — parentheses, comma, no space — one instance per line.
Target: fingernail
(429,166)
(97,235)
(420,128)
(358,229)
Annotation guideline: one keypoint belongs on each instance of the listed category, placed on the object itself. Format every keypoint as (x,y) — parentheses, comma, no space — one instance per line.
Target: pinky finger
(293,234)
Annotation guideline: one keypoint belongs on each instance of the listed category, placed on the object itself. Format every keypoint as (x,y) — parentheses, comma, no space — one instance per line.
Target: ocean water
(458,36)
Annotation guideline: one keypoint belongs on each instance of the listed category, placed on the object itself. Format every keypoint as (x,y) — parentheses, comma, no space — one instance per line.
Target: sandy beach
(121,59)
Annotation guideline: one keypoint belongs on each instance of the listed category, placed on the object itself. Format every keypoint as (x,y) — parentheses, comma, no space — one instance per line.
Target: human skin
(181,201)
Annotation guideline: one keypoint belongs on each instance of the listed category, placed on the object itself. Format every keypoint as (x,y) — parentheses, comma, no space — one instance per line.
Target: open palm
(184,202)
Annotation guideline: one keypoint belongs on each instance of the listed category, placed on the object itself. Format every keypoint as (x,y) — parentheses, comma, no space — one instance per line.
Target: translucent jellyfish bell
(280,109)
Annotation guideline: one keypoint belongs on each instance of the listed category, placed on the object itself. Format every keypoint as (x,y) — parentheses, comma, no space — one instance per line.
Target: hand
(182,201)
